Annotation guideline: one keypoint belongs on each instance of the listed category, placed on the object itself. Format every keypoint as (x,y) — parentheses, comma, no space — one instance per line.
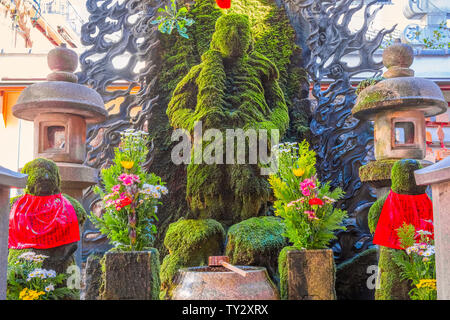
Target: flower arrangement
(27,280)
(305,204)
(417,261)
(130,196)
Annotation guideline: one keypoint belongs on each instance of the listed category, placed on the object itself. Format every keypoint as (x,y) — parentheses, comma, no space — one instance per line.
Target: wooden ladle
(218,261)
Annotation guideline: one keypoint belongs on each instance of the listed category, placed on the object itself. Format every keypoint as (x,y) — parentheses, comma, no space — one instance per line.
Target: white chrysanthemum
(49,288)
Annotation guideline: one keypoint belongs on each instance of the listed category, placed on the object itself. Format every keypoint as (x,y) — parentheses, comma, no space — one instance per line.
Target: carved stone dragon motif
(117,30)
(342,142)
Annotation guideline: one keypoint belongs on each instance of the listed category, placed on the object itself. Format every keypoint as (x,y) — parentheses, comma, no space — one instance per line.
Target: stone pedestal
(131,275)
(311,275)
(8,179)
(438,176)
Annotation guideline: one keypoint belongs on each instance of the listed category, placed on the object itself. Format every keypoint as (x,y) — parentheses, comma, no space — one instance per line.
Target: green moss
(43,177)
(257,242)
(102,288)
(156,269)
(257,103)
(13,200)
(376,170)
(190,243)
(403,180)
(232,35)
(374,213)
(367,83)
(169,268)
(391,285)
(81,213)
(273,37)
(283,272)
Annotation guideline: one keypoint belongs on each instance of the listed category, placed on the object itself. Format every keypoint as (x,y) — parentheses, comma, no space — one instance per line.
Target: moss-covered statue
(234,87)
(43,220)
(406,202)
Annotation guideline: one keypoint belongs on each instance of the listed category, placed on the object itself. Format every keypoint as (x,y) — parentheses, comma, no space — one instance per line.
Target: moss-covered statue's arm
(81,213)
(374,213)
(279,116)
(182,105)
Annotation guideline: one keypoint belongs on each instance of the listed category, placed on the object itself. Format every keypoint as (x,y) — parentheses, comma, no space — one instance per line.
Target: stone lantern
(60,109)
(398,105)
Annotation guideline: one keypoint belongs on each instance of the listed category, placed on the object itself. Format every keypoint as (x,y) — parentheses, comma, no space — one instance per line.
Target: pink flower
(116,188)
(306,186)
(307,183)
(128,179)
(311,215)
(292,203)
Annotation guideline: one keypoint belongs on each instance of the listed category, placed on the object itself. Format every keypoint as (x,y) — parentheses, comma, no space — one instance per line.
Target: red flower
(122,202)
(315,202)
(224,4)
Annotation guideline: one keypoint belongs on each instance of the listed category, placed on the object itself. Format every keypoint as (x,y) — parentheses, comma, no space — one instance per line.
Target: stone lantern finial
(63,62)
(398,58)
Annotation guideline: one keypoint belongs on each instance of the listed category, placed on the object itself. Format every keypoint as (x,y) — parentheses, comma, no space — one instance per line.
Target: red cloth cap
(42,222)
(224,4)
(400,208)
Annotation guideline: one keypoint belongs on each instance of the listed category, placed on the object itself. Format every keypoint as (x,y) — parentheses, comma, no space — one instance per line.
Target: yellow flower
(298,171)
(127,164)
(23,293)
(427,283)
(27,294)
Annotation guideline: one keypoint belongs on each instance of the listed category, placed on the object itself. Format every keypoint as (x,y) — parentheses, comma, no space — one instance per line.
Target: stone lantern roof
(400,90)
(61,93)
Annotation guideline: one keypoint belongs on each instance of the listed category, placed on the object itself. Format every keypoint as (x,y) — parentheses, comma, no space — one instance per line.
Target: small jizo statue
(406,202)
(44,220)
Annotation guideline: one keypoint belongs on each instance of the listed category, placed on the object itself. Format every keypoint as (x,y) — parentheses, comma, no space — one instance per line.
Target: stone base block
(311,275)
(131,275)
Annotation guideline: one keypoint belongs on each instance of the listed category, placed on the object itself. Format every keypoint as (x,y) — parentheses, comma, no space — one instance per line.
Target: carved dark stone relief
(117,30)
(342,143)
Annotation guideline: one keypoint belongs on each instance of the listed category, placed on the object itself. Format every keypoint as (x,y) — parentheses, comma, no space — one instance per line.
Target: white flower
(164,190)
(156,209)
(51,273)
(49,288)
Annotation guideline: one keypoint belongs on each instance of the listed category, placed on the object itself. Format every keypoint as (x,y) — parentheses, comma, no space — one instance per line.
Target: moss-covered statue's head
(43,177)
(402,176)
(232,36)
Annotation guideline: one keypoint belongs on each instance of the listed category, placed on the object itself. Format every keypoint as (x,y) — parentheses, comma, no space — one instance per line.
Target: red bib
(399,208)
(42,222)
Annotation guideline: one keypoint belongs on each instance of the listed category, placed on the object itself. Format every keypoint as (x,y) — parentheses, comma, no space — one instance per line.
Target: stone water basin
(219,283)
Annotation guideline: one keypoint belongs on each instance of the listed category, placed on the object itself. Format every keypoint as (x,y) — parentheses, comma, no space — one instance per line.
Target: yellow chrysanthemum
(127,164)
(298,171)
(427,283)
